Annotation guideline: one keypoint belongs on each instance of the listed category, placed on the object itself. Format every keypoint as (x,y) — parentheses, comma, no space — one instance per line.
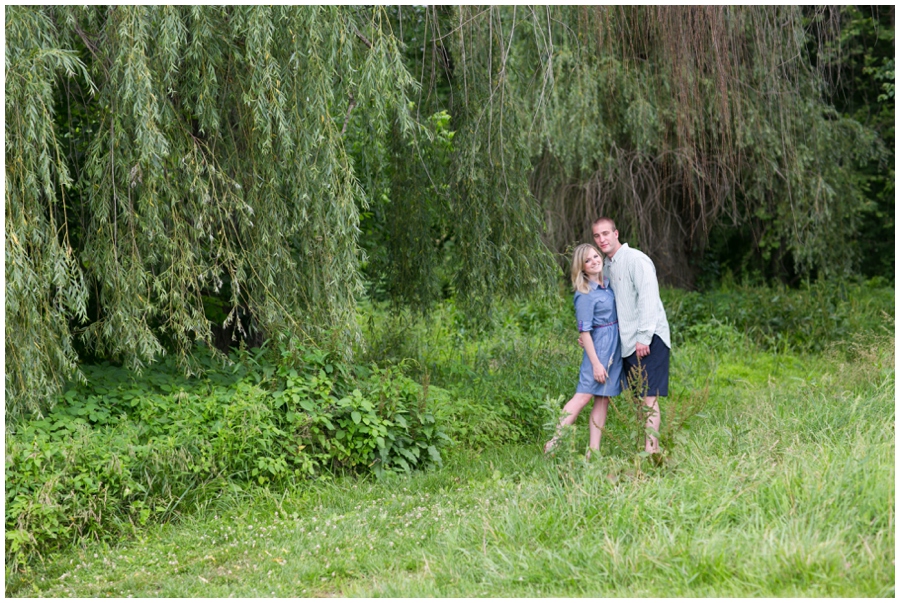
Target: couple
(622,324)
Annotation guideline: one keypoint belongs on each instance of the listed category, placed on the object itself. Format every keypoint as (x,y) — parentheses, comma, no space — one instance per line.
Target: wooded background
(185,174)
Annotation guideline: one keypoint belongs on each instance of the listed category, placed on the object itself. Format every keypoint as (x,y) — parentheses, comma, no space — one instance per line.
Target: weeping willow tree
(673,120)
(463,198)
(677,119)
(172,169)
(158,158)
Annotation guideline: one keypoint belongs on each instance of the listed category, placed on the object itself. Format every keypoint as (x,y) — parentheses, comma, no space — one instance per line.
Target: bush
(383,423)
(807,319)
(121,451)
(496,370)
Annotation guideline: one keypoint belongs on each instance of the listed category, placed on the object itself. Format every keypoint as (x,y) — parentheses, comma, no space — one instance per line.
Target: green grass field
(780,485)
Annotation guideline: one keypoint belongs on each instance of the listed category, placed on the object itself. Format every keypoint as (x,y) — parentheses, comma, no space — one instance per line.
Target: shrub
(120,451)
(496,370)
(383,423)
(807,319)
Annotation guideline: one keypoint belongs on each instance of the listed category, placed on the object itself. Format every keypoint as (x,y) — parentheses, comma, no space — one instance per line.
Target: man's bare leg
(651,443)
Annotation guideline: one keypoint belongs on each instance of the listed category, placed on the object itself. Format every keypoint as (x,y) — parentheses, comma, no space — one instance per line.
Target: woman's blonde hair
(579,279)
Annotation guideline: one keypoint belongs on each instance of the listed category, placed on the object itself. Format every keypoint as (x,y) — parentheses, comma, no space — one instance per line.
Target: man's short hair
(605,219)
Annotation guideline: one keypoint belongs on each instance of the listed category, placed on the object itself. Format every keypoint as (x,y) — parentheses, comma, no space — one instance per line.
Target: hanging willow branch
(671,119)
(172,169)
(210,167)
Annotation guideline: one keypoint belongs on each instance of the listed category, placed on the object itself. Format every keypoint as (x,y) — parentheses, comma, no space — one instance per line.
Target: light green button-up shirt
(632,277)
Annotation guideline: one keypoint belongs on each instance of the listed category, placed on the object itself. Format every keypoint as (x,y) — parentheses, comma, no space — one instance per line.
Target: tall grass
(500,375)
(779,481)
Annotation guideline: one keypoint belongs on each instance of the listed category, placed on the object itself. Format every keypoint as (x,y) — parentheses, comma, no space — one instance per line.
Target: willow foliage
(158,157)
(45,285)
(670,119)
(677,119)
(170,169)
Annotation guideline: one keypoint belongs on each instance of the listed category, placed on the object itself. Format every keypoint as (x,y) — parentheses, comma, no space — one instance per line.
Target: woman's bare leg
(598,420)
(571,410)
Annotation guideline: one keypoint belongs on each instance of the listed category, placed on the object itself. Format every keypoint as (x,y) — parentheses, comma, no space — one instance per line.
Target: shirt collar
(619,252)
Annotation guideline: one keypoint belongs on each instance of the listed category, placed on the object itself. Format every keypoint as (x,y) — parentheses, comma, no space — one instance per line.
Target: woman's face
(593,264)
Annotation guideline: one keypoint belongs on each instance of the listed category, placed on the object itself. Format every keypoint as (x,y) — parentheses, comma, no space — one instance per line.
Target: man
(643,326)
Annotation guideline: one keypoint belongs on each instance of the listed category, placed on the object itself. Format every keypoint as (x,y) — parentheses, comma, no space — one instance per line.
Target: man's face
(606,239)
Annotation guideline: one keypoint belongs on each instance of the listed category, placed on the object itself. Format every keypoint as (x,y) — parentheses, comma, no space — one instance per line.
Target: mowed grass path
(785,488)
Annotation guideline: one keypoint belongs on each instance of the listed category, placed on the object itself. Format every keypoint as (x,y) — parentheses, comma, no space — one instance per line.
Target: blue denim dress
(596,312)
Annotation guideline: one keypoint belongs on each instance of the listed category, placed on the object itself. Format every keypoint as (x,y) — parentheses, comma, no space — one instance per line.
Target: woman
(601,364)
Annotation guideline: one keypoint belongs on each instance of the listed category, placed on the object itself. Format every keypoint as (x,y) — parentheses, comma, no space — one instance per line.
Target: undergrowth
(807,319)
(504,372)
(784,488)
(124,452)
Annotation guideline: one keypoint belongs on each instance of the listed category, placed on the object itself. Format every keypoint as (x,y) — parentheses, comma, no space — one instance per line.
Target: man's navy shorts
(654,367)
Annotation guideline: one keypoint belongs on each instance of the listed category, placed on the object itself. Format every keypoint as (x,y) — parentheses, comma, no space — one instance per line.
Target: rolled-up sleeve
(584,312)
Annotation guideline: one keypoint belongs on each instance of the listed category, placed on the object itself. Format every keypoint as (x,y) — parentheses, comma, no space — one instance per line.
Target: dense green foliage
(184,174)
(781,482)
(675,120)
(808,319)
(127,450)
(861,60)
(853,47)
(158,158)
(501,371)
